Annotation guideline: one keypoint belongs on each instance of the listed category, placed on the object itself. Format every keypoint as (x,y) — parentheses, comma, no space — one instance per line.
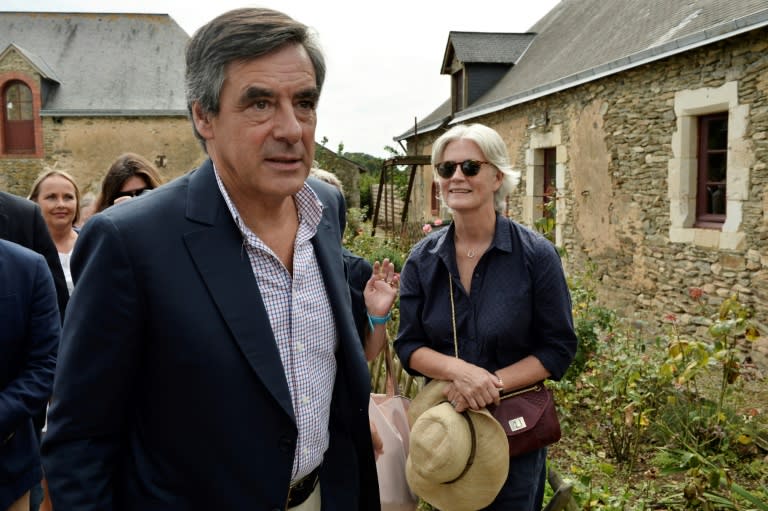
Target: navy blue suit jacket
(170,392)
(21,222)
(29,334)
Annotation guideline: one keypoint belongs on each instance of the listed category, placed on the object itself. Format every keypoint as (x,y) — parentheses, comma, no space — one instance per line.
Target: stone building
(79,89)
(646,121)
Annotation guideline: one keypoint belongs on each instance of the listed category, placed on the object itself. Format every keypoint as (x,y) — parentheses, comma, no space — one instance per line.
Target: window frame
(682,167)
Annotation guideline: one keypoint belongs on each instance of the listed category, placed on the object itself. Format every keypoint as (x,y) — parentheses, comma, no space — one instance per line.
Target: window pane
(718,134)
(25,94)
(716,168)
(18,102)
(716,199)
(12,111)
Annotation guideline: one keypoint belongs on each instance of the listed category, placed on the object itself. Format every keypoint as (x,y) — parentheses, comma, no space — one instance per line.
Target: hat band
(472,450)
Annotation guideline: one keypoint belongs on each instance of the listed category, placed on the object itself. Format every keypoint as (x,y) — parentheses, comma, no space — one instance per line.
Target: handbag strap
(453,317)
(391,385)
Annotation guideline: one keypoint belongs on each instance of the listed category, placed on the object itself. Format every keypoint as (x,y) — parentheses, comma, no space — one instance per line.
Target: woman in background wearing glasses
(513,319)
(129,176)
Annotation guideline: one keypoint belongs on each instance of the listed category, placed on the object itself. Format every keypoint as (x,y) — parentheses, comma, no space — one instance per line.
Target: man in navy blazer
(209,358)
(29,334)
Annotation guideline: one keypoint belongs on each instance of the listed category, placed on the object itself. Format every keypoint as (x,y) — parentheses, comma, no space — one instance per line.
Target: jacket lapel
(217,251)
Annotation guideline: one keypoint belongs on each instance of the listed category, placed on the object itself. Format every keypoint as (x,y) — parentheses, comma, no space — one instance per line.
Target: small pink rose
(427,228)
(438,221)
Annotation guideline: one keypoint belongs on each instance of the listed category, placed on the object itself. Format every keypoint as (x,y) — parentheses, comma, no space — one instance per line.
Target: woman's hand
(472,387)
(381,289)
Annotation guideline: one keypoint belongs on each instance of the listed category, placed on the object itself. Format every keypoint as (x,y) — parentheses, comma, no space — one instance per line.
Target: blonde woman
(58,195)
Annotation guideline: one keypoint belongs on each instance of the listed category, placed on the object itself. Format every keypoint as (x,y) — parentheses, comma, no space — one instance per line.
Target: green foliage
(620,388)
(371,163)
(693,421)
(546,223)
(591,320)
(636,395)
(367,199)
(376,248)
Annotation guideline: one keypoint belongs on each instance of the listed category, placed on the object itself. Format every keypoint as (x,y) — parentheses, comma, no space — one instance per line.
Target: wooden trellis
(384,211)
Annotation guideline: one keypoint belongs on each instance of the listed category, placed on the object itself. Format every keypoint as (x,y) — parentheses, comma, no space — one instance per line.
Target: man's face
(262,141)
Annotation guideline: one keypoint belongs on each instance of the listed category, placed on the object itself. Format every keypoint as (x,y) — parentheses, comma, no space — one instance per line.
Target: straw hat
(456,461)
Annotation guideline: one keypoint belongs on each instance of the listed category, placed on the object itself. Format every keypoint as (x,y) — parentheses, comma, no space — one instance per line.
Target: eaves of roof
(113,113)
(674,47)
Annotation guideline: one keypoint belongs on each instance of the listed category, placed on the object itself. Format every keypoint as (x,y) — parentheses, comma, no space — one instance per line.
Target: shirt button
(305,399)
(299,347)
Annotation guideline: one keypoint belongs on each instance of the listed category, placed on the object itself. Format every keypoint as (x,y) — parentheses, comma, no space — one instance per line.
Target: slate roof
(485,47)
(583,40)
(104,63)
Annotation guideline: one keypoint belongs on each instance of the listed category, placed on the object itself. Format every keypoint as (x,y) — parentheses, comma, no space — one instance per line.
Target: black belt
(300,491)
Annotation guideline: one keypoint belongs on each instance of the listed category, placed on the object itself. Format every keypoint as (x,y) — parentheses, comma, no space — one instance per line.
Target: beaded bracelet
(378,320)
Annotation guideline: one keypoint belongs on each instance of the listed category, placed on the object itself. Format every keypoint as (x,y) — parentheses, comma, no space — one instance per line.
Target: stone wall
(86,147)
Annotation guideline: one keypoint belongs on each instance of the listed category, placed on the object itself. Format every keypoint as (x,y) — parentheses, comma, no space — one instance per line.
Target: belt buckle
(310,479)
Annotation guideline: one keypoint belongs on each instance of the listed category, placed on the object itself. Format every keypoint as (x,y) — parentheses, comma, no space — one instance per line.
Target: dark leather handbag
(529,418)
(528,415)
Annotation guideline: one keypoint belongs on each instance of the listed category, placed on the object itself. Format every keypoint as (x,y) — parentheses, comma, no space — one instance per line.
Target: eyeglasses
(469,168)
(132,193)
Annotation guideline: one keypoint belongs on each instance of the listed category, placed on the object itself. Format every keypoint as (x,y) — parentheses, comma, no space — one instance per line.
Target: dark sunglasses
(132,193)
(469,168)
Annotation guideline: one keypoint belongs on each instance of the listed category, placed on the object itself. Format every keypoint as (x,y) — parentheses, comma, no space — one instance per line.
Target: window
(711,156)
(712,170)
(545,163)
(18,119)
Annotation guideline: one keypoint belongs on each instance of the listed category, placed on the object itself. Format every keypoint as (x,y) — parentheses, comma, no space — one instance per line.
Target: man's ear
(202,120)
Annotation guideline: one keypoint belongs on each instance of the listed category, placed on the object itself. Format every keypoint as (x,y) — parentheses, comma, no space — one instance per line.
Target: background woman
(59,198)
(512,304)
(128,176)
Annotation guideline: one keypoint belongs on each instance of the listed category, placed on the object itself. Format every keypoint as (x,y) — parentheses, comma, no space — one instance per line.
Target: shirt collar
(308,204)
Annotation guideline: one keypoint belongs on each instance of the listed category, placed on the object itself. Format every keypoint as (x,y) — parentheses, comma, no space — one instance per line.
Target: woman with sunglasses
(129,176)
(506,286)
